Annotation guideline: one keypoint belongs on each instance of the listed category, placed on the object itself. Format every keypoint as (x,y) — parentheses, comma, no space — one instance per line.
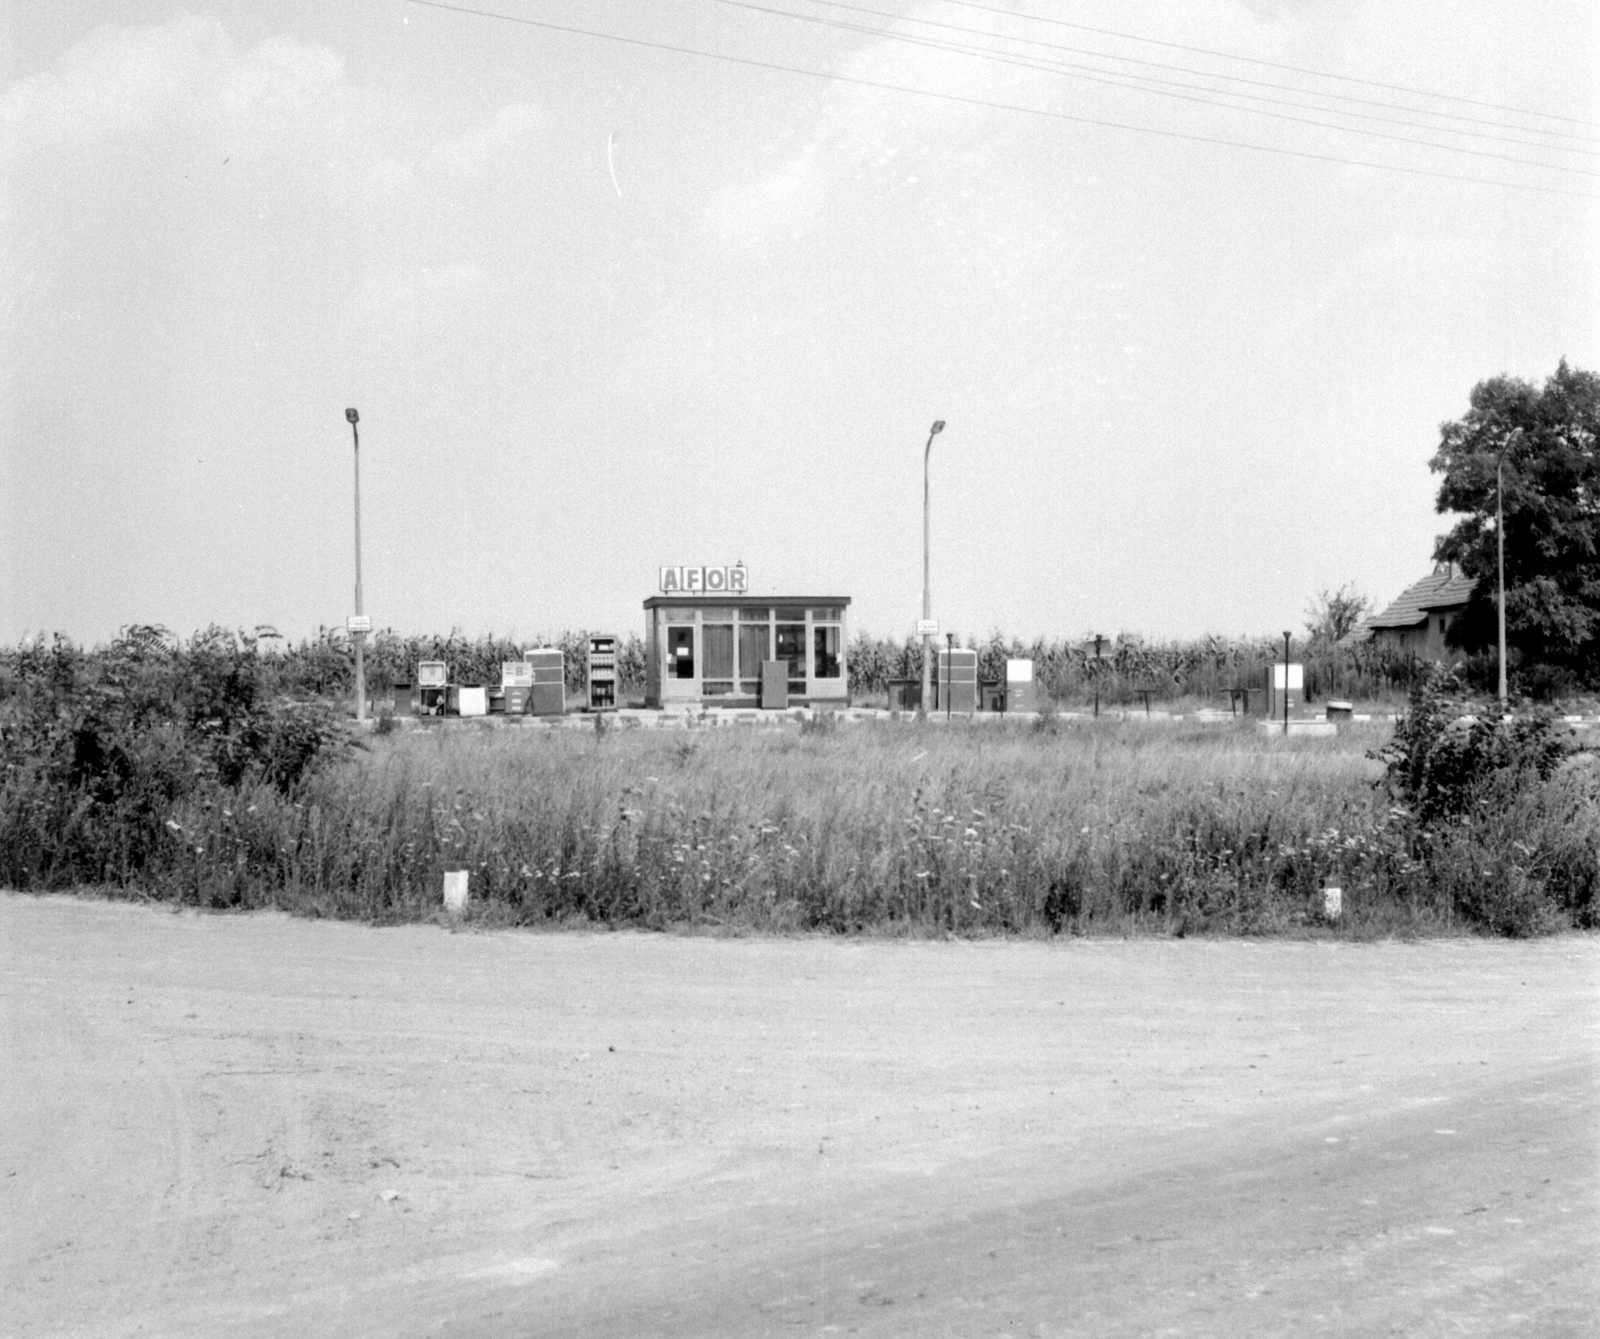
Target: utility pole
(1500,541)
(360,636)
(927,599)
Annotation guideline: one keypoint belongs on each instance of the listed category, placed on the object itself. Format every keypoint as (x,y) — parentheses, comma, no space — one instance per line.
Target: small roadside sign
(359,623)
(927,627)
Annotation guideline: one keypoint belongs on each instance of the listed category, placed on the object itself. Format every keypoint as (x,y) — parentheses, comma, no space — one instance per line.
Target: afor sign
(733,580)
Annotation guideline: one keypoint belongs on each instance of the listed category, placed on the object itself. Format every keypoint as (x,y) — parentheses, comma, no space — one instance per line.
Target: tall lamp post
(927,599)
(360,636)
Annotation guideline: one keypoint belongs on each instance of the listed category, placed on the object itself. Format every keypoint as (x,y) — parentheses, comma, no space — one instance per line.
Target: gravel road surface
(252,1125)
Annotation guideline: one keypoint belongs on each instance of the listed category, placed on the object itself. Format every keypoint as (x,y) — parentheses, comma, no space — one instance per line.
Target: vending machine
(602,673)
(433,676)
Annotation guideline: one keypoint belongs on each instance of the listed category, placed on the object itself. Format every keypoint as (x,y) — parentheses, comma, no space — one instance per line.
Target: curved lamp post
(927,601)
(360,638)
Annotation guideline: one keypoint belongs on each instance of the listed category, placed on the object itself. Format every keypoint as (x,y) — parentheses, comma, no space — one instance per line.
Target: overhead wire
(1109,78)
(1274,65)
(751,62)
(1230,78)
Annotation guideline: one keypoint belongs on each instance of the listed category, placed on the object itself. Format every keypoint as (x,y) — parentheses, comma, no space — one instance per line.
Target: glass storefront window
(716,646)
(825,651)
(680,651)
(755,615)
(791,646)
(755,645)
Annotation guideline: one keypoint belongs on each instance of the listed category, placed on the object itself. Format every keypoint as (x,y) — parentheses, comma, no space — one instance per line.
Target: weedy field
(891,828)
(186,777)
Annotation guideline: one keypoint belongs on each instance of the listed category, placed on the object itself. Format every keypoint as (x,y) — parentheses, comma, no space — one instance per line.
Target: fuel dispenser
(547,694)
(602,673)
(516,685)
(433,676)
(958,679)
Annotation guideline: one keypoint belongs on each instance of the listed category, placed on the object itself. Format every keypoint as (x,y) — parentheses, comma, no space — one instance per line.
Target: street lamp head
(938,427)
(350,416)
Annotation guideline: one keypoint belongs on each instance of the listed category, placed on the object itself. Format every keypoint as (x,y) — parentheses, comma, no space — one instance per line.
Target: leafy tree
(1333,613)
(1548,437)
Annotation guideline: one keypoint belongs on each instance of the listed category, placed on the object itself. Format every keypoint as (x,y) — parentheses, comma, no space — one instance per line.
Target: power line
(1231,78)
(1113,80)
(988,104)
(1275,65)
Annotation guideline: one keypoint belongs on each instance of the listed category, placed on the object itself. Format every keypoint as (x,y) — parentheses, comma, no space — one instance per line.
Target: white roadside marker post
(455,891)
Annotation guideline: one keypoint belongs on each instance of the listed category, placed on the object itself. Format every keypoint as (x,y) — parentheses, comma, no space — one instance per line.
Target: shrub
(99,750)
(1509,837)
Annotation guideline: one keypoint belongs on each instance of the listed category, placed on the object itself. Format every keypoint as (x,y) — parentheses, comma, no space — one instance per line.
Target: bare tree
(1334,613)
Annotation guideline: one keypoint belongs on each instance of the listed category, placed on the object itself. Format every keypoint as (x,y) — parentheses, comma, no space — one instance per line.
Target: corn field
(1067,671)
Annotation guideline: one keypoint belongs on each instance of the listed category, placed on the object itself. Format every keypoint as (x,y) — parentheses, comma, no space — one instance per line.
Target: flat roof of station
(722,600)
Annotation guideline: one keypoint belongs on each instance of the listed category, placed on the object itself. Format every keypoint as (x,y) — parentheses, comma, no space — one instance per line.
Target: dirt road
(258,1126)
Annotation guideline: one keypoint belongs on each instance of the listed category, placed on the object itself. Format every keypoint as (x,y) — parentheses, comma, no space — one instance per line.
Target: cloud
(865,125)
(511,130)
(183,78)
(743,214)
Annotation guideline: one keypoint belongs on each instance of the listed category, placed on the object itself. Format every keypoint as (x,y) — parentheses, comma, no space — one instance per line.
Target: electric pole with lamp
(927,600)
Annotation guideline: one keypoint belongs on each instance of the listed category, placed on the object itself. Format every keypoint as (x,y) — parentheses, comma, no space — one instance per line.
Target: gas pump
(516,683)
(432,678)
(547,691)
(602,673)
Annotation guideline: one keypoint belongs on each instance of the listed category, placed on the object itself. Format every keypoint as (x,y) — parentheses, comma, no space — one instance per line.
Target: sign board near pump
(1297,676)
(733,580)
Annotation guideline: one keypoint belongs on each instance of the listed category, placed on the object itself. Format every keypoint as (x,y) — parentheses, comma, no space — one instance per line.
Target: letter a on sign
(671,580)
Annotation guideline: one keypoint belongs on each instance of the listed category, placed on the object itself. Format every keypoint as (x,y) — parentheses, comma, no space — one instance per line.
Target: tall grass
(174,771)
(864,828)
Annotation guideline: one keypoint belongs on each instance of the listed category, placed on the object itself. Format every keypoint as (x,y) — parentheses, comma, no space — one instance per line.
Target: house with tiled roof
(1418,621)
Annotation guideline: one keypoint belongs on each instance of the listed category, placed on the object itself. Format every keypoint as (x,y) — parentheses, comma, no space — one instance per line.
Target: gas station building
(710,643)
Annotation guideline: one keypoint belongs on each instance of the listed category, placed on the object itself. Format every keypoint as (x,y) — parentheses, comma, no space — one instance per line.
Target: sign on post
(359,623)
(927,627)
(1297,677)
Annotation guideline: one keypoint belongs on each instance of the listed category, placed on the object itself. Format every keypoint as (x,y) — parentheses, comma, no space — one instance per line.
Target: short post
(1286,685)
(949,673)
(455,890)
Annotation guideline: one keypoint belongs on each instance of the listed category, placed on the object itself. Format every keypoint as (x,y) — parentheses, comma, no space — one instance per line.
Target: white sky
(1186,384)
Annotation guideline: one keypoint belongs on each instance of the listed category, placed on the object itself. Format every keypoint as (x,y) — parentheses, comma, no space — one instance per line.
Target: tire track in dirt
(305,1128)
